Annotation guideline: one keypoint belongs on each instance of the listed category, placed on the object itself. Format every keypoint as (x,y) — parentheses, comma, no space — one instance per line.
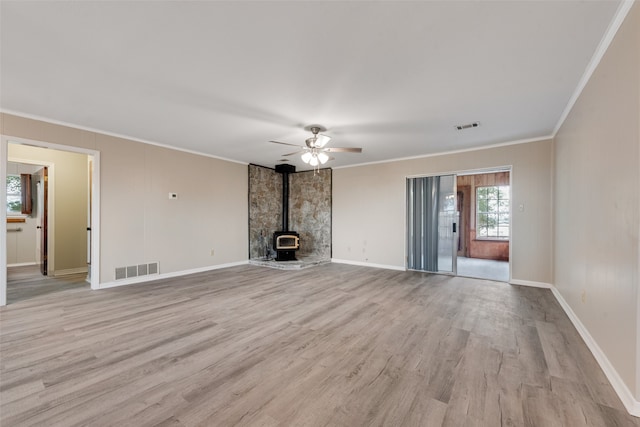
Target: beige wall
(69,227)
(21,243)
(139,223)
(597,203)
(369,206)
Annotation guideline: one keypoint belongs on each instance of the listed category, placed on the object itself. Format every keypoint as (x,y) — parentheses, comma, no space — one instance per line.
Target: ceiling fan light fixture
(314,152)
(323,157)
(306,157)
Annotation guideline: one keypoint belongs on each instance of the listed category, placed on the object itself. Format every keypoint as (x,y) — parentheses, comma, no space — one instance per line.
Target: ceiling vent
(468,126)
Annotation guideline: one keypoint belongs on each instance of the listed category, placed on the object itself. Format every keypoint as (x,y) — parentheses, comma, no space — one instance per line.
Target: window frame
(497,213)
(18,213)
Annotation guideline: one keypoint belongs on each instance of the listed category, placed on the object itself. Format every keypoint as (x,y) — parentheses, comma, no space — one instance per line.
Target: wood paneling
(331,345)
(484,249)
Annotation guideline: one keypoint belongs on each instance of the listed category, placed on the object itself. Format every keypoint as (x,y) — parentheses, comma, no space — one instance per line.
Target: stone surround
(265,208)
(309,211)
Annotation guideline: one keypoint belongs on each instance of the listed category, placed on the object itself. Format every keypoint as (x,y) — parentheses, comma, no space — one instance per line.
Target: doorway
(86,231)
(466,222)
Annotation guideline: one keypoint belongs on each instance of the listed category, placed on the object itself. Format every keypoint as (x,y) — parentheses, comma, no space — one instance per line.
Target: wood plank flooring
(26,282)
(333,345)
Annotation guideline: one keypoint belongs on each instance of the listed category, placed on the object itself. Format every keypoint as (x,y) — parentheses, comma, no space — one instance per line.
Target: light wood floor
(333,345)
(27,282)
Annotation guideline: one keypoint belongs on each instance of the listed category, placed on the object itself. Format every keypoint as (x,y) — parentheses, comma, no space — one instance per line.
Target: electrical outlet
(213,252)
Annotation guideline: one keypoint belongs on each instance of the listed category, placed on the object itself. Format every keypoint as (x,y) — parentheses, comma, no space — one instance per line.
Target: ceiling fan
(315,151)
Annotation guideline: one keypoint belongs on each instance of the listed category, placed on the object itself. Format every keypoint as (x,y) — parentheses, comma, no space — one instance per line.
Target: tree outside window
(14,195)
(492,212)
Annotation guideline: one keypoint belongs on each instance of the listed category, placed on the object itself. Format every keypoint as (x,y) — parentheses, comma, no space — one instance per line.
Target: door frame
(478,171)
(95,202)
(463,221)
(50,203)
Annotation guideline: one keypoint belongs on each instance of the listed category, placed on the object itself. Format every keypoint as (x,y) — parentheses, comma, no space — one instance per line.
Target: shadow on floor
(26,282)
(483,269)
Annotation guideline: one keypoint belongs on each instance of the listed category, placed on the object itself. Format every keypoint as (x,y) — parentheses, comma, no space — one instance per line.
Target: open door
(42,187)
(432,220)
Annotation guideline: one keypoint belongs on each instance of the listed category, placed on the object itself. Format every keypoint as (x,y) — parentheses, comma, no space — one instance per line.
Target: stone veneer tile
(309,210)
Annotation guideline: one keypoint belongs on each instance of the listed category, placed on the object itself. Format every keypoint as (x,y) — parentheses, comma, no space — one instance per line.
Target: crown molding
(611,32)
(115,135)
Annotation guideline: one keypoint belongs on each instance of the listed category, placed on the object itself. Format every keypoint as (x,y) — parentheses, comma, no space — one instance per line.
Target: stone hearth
(299,264)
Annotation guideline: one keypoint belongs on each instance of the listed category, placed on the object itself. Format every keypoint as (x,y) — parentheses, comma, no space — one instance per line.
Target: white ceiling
(224,78)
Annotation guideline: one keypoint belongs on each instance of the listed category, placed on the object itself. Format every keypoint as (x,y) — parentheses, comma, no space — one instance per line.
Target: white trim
(21,264)
(368,264)
(115,135)
(153,277)
(3,220)
(614,26)
(510,223)
(531,284)
(95,221)
(625,395)
(447,153)
(69,271)
(465,172)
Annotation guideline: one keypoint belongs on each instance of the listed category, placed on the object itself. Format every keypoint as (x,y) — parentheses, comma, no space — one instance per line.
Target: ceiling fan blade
(342,150)
(322,140)
(286,143)
(295,152)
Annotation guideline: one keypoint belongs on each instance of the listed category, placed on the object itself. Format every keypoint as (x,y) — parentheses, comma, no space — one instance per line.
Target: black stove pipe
(285,170)
(285,202)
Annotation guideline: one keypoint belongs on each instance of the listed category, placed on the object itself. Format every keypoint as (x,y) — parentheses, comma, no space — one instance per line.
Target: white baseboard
(368,264)
(531,283)
(21,264)
(629,402)
(152,277)
(69,271)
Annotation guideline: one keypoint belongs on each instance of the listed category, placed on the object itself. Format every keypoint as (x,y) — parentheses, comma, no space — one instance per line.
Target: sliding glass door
(432,219)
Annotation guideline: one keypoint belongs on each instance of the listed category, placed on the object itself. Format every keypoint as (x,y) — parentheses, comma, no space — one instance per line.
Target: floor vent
(136,270)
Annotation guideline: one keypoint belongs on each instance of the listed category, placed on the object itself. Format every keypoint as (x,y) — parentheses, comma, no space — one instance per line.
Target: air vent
(136,270)
(153,268)
(468,126)
(142,269)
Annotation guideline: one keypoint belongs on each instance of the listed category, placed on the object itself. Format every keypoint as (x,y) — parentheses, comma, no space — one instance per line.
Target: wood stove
(285,242)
